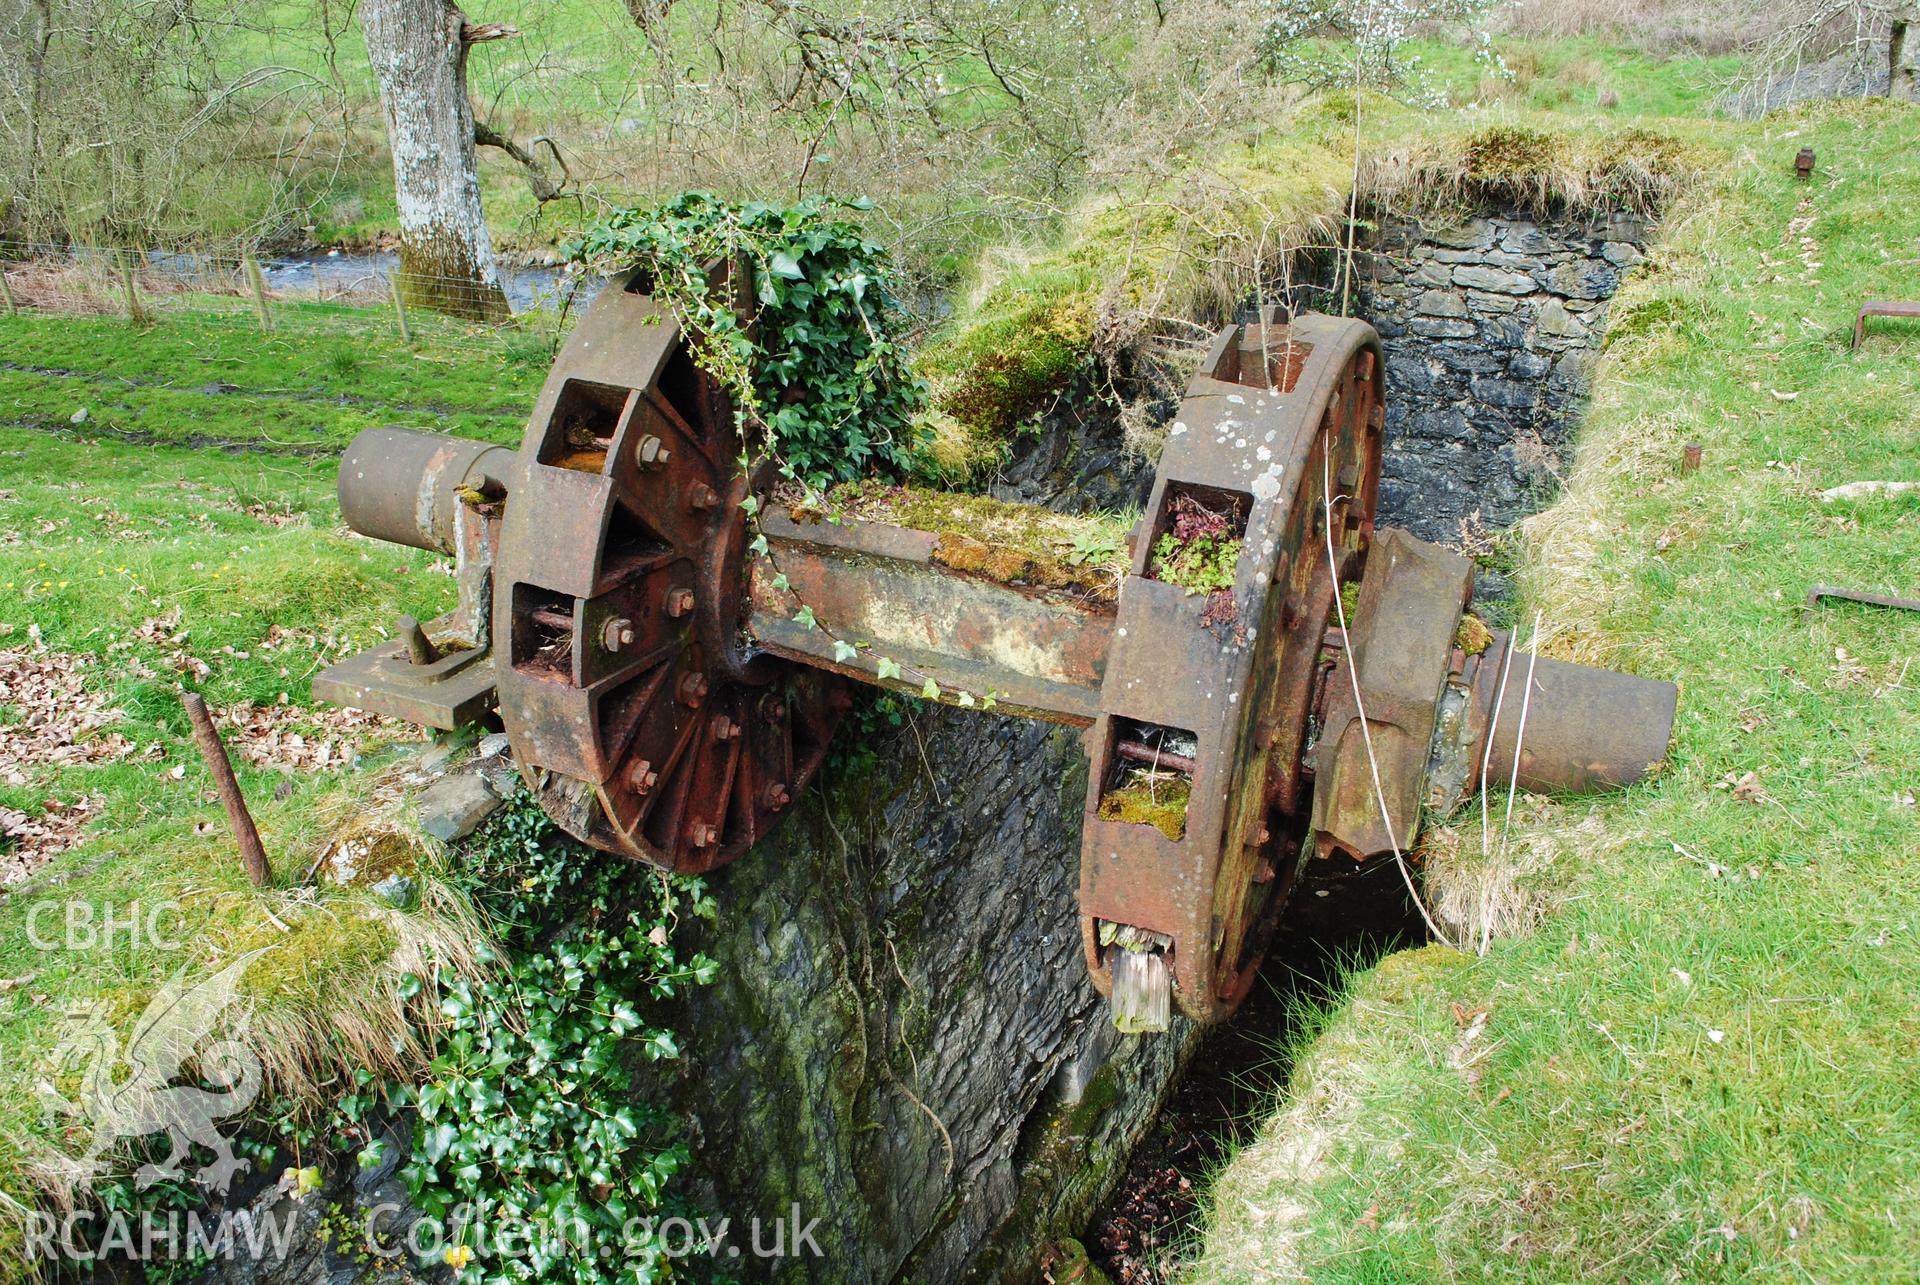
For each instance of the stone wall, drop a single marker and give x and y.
(902, 1038)
(1489, 326)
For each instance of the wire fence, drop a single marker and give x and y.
(348, 290)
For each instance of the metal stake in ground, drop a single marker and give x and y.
(252, 855)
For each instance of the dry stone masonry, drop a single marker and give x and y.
(1489, 326)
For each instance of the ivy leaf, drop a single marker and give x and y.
(966, 699)
(931, 690)
(889, 668)
(987, 701)
(787, 266)
(759, 545)
(750, 505)
(780, 582)
(843, 650)
(804, 617)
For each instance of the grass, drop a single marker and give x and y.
(141, 564)
(1697, 1064)
(1166, 258)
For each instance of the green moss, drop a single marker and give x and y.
(1473, 636)
(1160, 803)
(1084, 554)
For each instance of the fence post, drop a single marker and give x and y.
(6, 293)
(400, 308)
(258, 281)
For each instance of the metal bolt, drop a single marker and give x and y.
(642, 777)
(777, 796)
(701, 496)
(725, 729)
(616, 633)
(702, 834)
(693, 689)
(650, 450)
(773, 709)
(679, 602)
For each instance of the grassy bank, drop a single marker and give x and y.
(182, 533)
(1698, 1062)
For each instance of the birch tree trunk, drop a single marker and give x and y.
(418, 49)
(1903, 80)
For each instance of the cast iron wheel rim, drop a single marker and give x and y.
(1348, 417)
(663, 735)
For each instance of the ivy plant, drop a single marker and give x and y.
(819, 379)
(531, 1116)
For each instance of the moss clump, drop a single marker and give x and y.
(1082, 554)
(1160, 802)
(996, 375)
(1473, 636)
(1506, 152)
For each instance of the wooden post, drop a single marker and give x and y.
(252, 855)
(6, 294)
(258, 281)
(400, 307)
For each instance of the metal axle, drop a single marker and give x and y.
(667, 700)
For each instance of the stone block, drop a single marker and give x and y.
(1480, 303)
(1554, 319)
(1584, 279)
(454, 806)
(1474, 234)
(1442, 328)
(1433, 274)
(1622, 254)
(1507, 394)
(1529, 365)
(1407, 376)
(1441, 303)
(1468, 359)
(1494, 280)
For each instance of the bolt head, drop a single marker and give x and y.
(725, 729)
(679, 602)
(693, 689)
(617, 633)
(650, 450)
(702, 835)
(700, 496)
(777, 796)
(641, 776)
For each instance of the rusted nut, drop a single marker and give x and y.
(693, 689)
(724, 729)
(773, 709)
(679, 602)
(776, 796)
(616, 633)
(650, 450)
(641, 777)
(702, 835)
(701, 497)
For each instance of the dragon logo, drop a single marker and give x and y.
(130, 1092)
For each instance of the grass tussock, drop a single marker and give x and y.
(1169, 257)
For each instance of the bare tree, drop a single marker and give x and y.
(418, 49)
